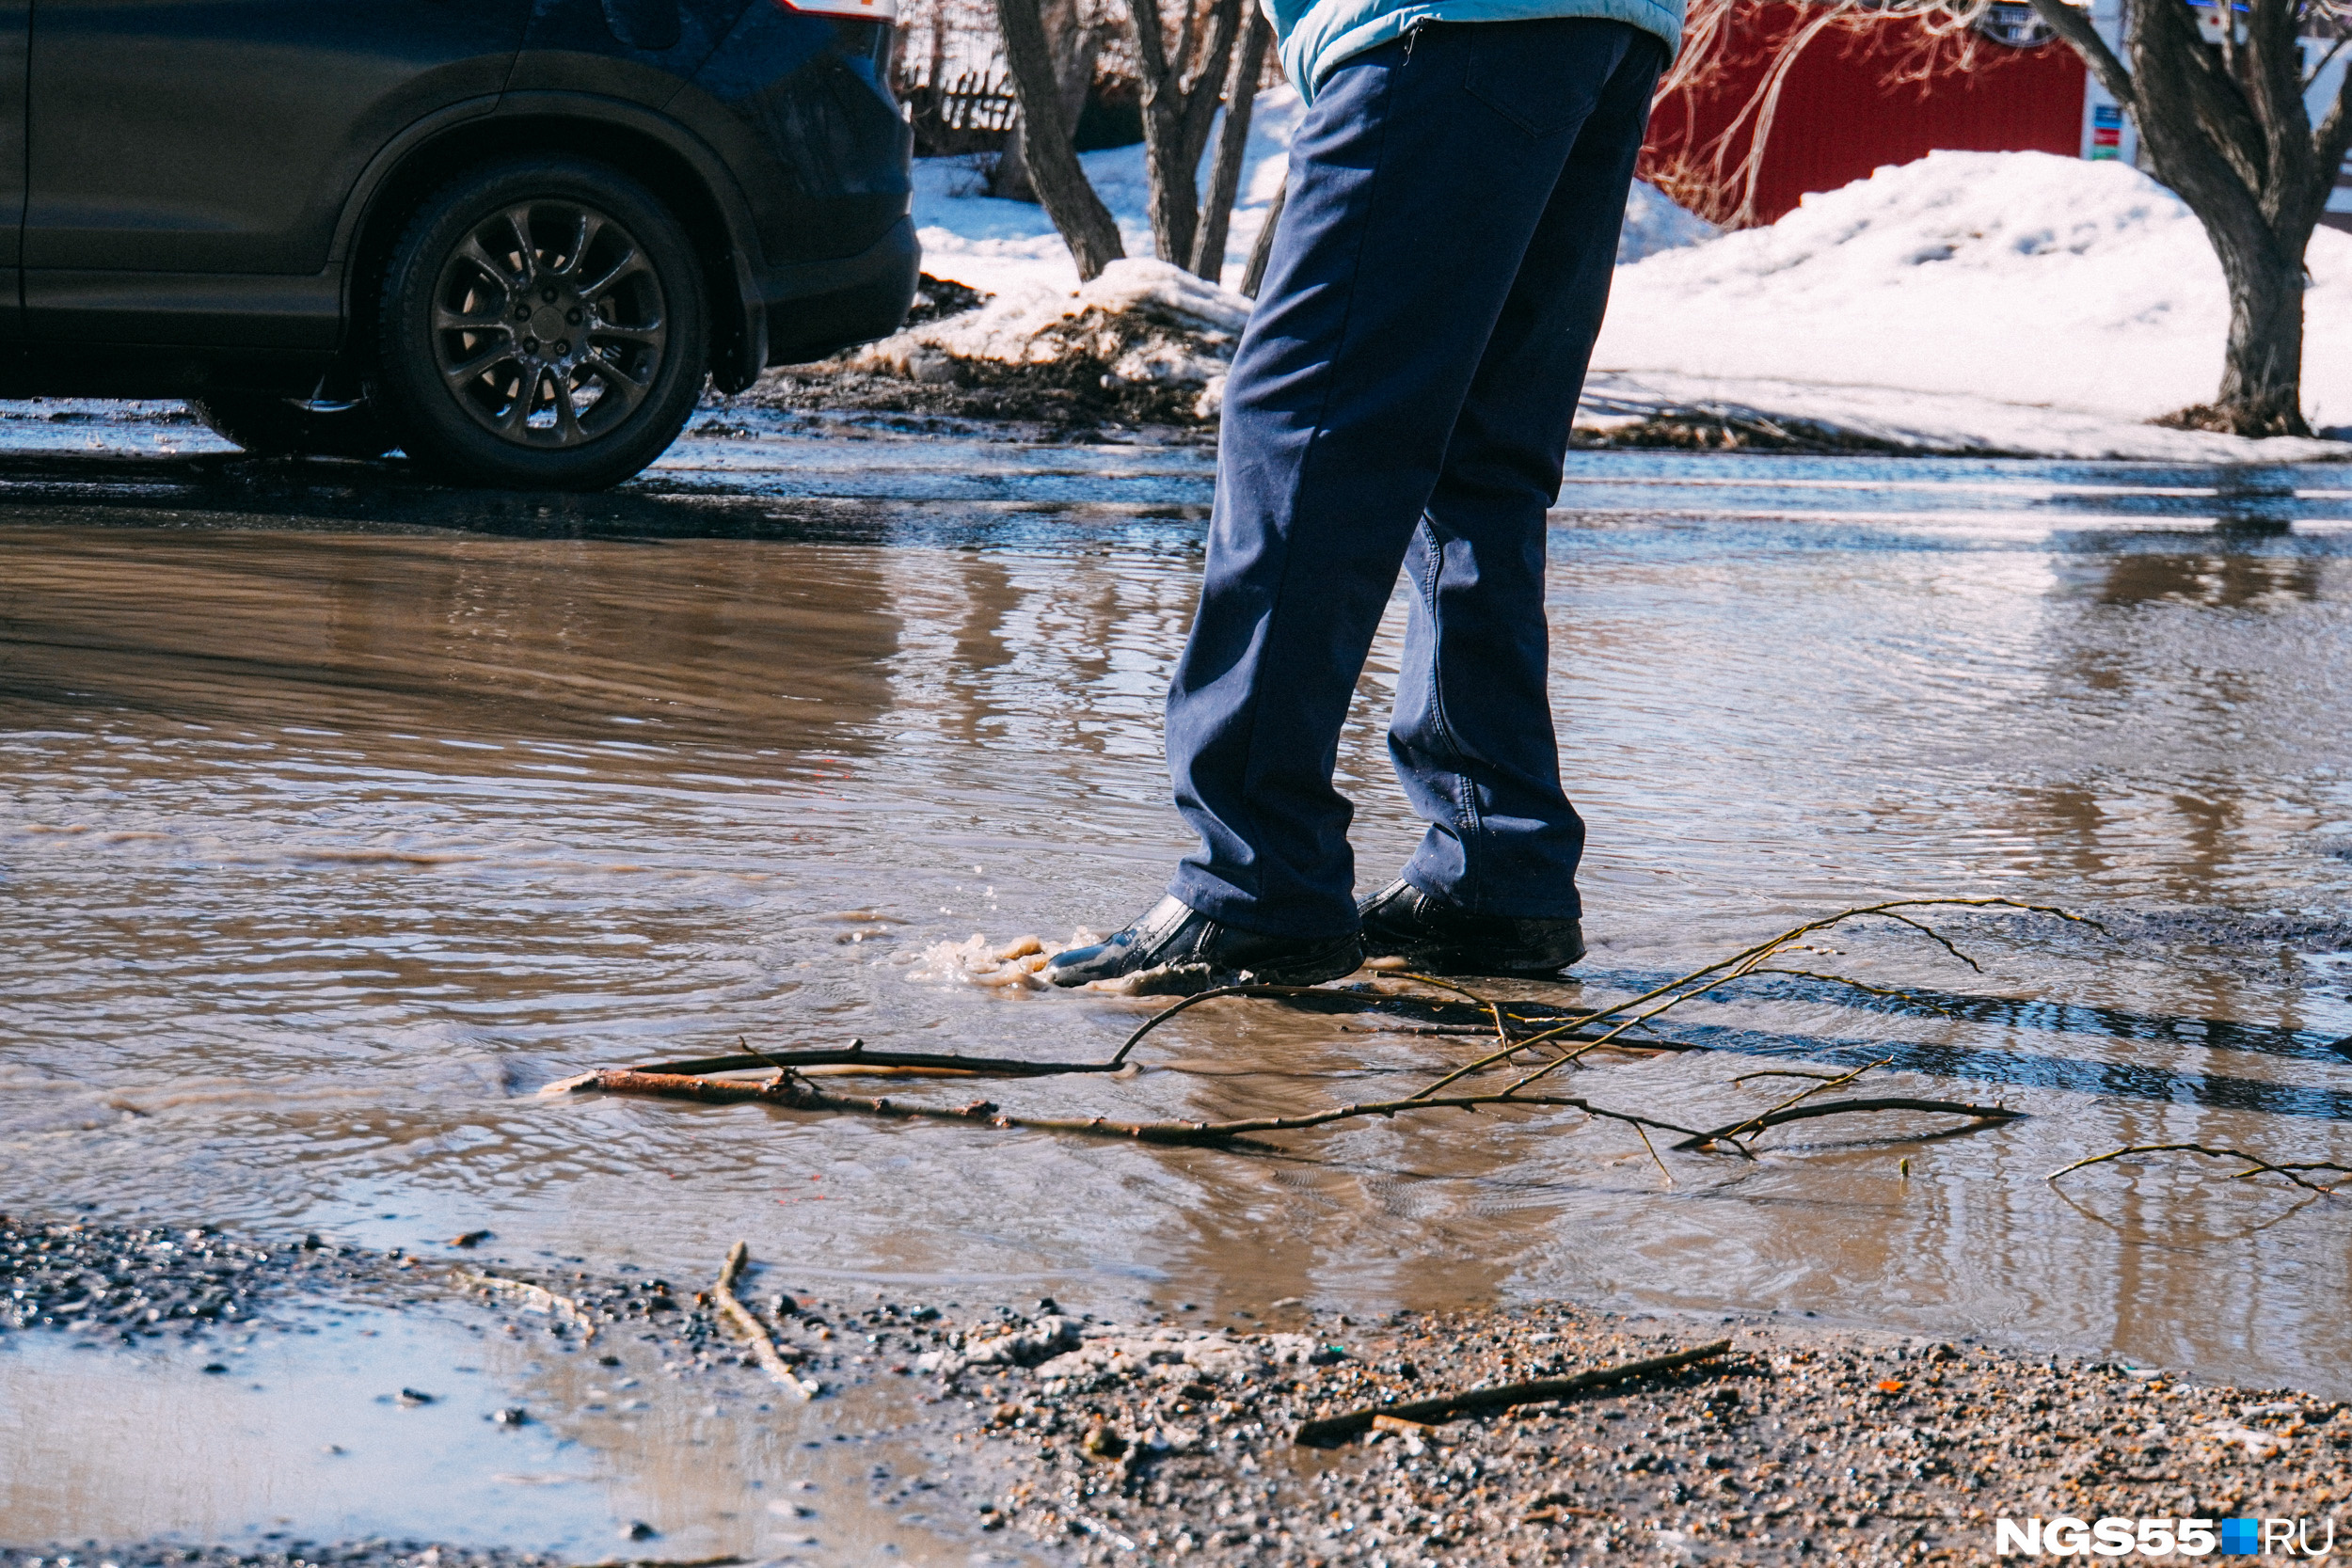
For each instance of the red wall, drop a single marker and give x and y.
(1840, 116)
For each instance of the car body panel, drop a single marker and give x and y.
(642, 50)
(802, 106)
(226, 135)
(207, 179)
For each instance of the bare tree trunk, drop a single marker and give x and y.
(1180, 100)
(2261, 375)
(2228, 133)
(1232, 148)
(1074, 46)
(1262, 250)
(1079, 216)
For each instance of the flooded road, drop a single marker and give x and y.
(337, 815)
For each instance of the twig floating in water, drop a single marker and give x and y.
(1329, 1431)
(795, 1093)
(1759, 1121)
(763, 1348)
(2255, 1163)
(1844, 1107)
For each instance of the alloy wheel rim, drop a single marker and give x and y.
(548, 323)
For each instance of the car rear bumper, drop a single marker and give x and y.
(813, 309)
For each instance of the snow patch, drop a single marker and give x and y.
(1147, 323)
(1000, 246)
(1896, 419)
(2020, 278)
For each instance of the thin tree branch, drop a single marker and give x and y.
(1232, 149)
(2072, 23)
(2256, 1164)
(1760, 1120)
(794, 1093)
(1848, 1107)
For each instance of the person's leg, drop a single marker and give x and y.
(1418, 181)
(1472, 739)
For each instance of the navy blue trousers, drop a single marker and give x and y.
(1401, 400)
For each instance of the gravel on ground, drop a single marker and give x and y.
(1804, 1442)
(1169, 1441)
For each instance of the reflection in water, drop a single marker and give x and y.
(2232, 581)
(320, 850)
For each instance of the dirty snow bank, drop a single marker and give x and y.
(1141, 324)
(1652, 408)
(2018, 278)
(1997, 302)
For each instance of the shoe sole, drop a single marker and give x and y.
(1456, 963)
(1311, 969)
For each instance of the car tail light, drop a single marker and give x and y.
(872, 10)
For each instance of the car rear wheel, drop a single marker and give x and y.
(281, 427)
(542, 324)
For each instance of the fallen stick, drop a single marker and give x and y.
(1659, 1000)
(763, 1347)
(1327, 999)
(2256, 1164)
(1330, 1431)
(855, 1055)
(1842, 1107)
(1757, 1123)
(536, 1298)
(795, 1093)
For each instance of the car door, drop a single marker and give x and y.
(188, 159)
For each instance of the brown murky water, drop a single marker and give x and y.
(326, 837)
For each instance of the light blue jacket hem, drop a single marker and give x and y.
(1322, 35)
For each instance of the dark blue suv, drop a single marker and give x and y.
(511, 238)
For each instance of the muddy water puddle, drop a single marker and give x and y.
(341, 815)
(361, 1422)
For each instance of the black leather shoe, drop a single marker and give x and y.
(1175, 951)
(1438, 937)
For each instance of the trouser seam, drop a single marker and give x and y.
(1323, 405)
(1467, 823)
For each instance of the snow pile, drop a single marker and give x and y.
(2020, 278)
(2011, 302)
(1654, 223)
(1650, 408)
(1141, 324)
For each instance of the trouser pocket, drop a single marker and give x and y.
(1539, 74)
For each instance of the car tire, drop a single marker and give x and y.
(542, 325)
(281, 427)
